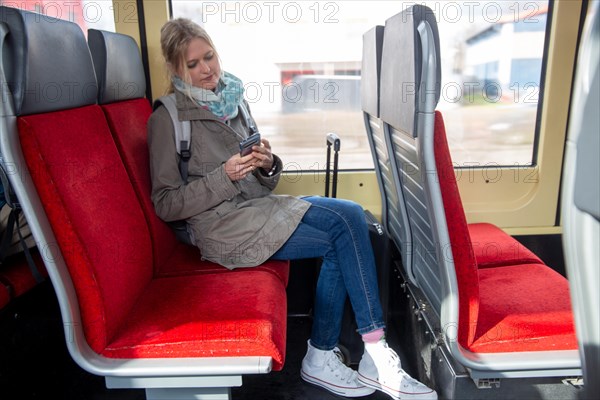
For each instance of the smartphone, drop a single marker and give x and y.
(246, 144)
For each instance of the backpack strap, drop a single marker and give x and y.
(183, 131)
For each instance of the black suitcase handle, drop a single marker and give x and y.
(332, 140)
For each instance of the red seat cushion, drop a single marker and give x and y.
(493, 247)
(209, 315)
(16, 272)
(523, 308)
(104, 238)
(187, 260)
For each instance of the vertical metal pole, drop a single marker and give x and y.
(335, 174)
(327, 169)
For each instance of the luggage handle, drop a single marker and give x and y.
(332, 140)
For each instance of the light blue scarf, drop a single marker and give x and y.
(223, 102)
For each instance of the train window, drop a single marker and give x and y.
(85, 13)
(492, 56)
(300, 63)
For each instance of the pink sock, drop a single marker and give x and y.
(373, 337)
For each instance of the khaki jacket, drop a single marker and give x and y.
(235, 224)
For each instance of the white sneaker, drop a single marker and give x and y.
(325, 369)
(380, 369)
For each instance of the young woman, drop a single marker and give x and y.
(236, 221)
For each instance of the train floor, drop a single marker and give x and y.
(35, 364)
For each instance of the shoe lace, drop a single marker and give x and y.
(393, 360)
(338, 368)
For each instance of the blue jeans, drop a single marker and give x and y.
(336, 230)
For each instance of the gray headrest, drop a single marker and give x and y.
(371, 70)
(118, 66)
(50, 64)
(401, 67)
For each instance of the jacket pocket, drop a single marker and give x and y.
(225, 208)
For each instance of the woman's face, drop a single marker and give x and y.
(203, 64)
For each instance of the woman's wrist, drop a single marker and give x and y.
(272, 170)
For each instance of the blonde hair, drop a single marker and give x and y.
(175, 37)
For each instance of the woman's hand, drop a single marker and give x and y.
(263, 157)
(238, 167)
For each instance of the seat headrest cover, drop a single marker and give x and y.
(401, 66)
(51, 67)
(118, 66)
(371, 70)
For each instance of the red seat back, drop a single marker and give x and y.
(462, 251)
(94, 212)
(122, 91)
(77, 171)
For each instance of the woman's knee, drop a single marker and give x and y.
(351, 208)
(342, 210)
